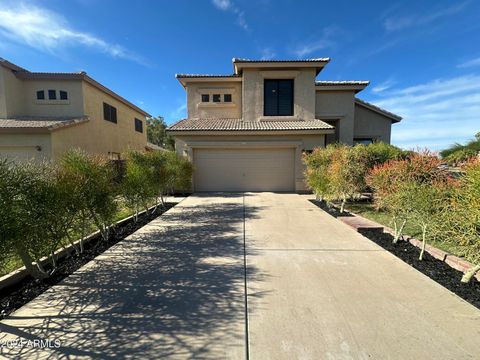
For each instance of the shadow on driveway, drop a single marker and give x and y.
(175, 288)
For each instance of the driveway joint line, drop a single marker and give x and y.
(324, 250)
(247, 346)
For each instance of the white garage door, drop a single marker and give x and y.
(244, 169)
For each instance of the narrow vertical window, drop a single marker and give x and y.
(139, 125)
(52, 95)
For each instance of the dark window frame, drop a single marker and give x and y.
(274, 102)
(138, 125)
(227, 96)
(205, 98)
(109, 113)
(52, 94)
(362, 140)
(216, 98)
(63, 95)
(40, 94)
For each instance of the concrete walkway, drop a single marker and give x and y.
(309, 287)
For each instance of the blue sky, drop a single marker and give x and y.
(422, 57)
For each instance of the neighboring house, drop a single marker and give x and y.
(247, 131)
(44, 114)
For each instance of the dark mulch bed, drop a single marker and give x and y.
(433, 268)
(17, 295)
(332, 210)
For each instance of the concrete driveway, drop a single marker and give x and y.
(254, 275)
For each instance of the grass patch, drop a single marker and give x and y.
(367, 210)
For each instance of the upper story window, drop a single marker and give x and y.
(278, 97)
(52, 95)
(216, 98)
(205, 97)
(40, 95)
(227, 98)
(139, 125)
(109, 113)
(63, 95)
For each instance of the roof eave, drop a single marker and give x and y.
(250, 132)
(395, 118)
(239, 65)
(184, 80)
(339, 87)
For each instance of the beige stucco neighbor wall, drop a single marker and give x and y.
(337, 105)
(11, 94)
(184, 146)
(98, 135)
(25, 146)
(197, 109)
(253, 92)
(58, 108)
(370, 124)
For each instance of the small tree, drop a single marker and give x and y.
(316, 173)
(156, 133)
(346, 174)
(425, 201)
(93, 177)
(138, 184)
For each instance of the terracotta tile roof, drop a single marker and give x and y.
(240, 60)
(394, 117)
(39, 123)
(179, 76)
(341, 82)
(240, 125)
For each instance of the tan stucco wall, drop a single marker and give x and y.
(25, 146)
(337, 105)
(98, 135)
(185, 144)
(197, 109)
(370, 124)
(11, 94)
(253, 92)
(71, 107)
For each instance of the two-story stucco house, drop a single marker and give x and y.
(247, 131)
(44, 114)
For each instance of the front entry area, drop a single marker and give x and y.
(264, 169)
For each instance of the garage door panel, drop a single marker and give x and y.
(244, 169)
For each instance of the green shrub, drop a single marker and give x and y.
(461, 156)
(32, 207)
(338, 172)
(138, 184)
(96, 189)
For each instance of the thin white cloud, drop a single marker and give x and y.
(435, 114)
(222, 4)
(387, 84)
(228, 5)
(267, 53)
(470, 63)
(395, 23)
(178, 113)
(327, 39)
(47, 31)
